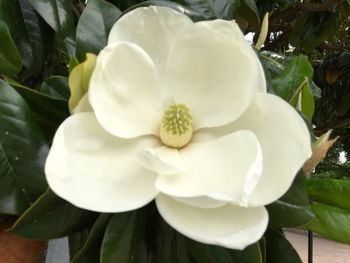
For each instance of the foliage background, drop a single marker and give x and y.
(306, 54)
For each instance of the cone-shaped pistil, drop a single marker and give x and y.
(176, 127)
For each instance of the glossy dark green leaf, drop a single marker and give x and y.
(93, 27)
(307, 100)
(292, 209)
(90, 252)
(211, 9)
(57, 13)
(194, 15)
(331, 222)
(52, 217)
(124, 240)
(72, 64)
(203, 253)
(313, 28)
(76, 242)
(330, 191)
(163, 242)
(287, 83)
(273, 64)
(110, 14)
(56, 87)
(201, 9)
(167, 245)
(26, 30)
(23, 151)
(303, 99)
(11, 14)
(249, 12)
(252, 253)
(49, 112)
(35, 32)
(262, 245)
(278, 248)
(10, 59)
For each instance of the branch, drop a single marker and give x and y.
(338, 125)
(300, 7)
(319, 7)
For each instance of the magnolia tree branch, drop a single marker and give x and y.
(319, 7)
(291, 13)
(341, 124)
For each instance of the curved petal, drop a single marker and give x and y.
(200, 201)
(93, 170)
(214, 71)
(163, 160)
(124, 91)
(226, 169)
(284, 139)
(83, 105)
(152, 28)
(229, 226)
(261, 82)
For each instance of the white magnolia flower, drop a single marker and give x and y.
(180, 115)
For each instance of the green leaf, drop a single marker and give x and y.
(72, 64)
(10, 59)
(167, 245)
(330, 191)
(273, 64)
(181, 8)
(307, 101)
(249, 12)
(204, 253)
(52, 217)
(164, 243)
(35, 32)
(23, 151)
(57, 13)
(303, 99)
(262, 245)
(292, 209)
(253, 253)
(211, 9)
(56, 87)
(93, 27)
(49, 112)
(124, 241)
(278, 248)
(331, 222)
(90, 252)
(313, 28)
(76, 242)
(200, 9)
(26, 31)
(286, 84)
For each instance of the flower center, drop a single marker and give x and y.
(176, 127)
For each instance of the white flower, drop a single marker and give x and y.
(201, 88)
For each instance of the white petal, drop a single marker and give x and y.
(261, 82)
(229, 226)
(152, 28)
(96, 171)
(214, 71)
(124, 91)
(163, 160)
(284, 139)
(226, 169)
(83, 105)
(200, 201)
